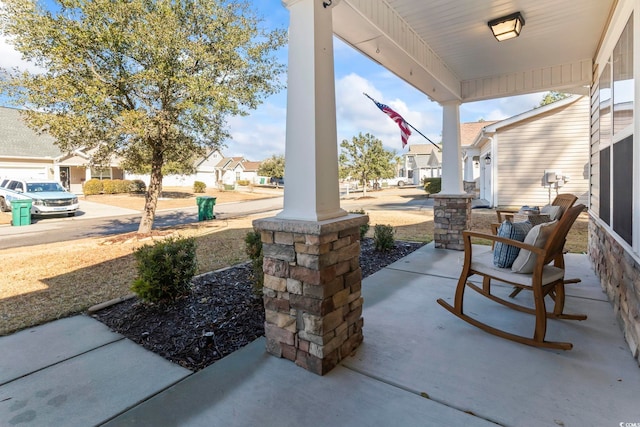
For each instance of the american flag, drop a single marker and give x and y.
(405, 132)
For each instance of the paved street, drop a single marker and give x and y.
(95, 219)
(101, 220)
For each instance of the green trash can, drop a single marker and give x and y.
(205, 207)
(21, 212)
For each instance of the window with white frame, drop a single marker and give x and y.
(100, 173)
(616, 113)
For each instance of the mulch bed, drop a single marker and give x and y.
(219, 316)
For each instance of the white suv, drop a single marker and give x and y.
(400, 181)
(47, 197)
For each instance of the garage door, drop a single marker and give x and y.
(37, 172)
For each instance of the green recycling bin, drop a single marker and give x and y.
(205, 207)
(21, 212)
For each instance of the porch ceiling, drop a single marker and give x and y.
(445, 48)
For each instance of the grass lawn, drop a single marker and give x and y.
(46, 282)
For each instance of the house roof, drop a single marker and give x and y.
(235, 162)
(420, 149)
(230, 163)
(251, 166)
(225, 163)
(469, 131)
(20, 141)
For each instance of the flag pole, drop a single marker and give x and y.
(408, 124)
(434, 144)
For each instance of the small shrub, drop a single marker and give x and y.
(383, 237)
(108, 186)
(115, 186)
(253, 248)
(137, 186)
(432, 185)
(91, 187)
(165, 269)
(123, 186)
(243, 182)
(199, 187)
(364, 228)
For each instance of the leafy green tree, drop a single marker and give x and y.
(551, 97)
(150, 82)
(272, 167)
(365, 158)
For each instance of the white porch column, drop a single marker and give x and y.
(311, 189)
(468, 168)
(451, 149)
(312, 275)
(452, 206)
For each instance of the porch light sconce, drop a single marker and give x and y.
(326, 4)
(487, 160)
(507, 27)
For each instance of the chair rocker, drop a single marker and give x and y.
(545, 280)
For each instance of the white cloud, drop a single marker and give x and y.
(499, 109)
(259, 135)
(10, 58)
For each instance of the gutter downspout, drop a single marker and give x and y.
(493, 191)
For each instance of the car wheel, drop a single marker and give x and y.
(3, 205)
(400, 183)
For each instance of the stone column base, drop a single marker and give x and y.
(451, 216)
(312, 289)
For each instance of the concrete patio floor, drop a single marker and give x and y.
(418, 366)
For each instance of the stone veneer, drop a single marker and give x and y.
(451, 216)
(619, 275)
(312, 289)
(470, 188)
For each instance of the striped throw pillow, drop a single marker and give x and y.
(503, 254)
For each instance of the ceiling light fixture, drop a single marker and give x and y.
(507, 27)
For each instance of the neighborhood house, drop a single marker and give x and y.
(25, 153)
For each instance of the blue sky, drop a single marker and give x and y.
(262, 133)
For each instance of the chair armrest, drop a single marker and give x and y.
(494, 228)
(508, 214)
(494, 231)
(467, 235)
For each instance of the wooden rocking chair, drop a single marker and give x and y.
(545, 280)
(565, 201)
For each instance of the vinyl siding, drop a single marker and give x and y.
(556, 140)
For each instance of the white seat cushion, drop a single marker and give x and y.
(483, 263)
